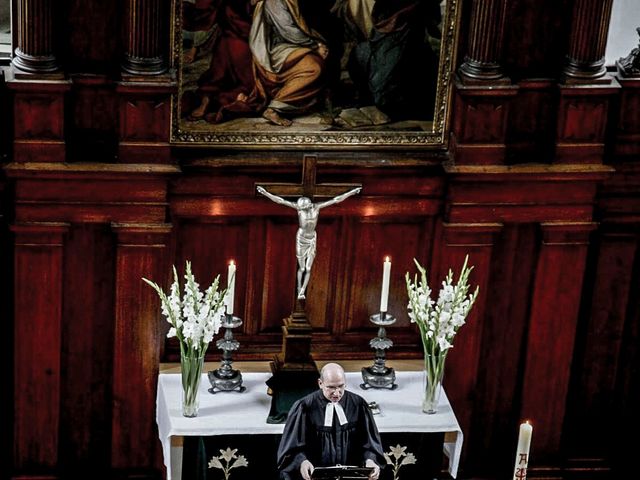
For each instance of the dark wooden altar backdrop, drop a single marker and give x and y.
(539, 186)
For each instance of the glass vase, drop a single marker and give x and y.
(433, 375)
(191, 371)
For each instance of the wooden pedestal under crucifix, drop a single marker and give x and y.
(294, 371)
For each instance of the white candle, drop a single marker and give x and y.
(384, 295)
(231, 286)
(522, 454)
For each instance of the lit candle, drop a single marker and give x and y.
(522, 454)
(231, 286)
(386, 274)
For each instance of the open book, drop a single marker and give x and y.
(345, 472)
(359, 117)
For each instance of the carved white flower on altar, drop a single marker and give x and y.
(397, 457)
(231, 461)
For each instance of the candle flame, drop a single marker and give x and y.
(387, 259)
(232, 262)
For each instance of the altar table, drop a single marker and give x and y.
(234, 413)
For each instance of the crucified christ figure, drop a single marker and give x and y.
(306, 236)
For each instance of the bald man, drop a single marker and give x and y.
(329, 427)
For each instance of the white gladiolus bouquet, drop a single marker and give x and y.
(438, 320)
(195, 317)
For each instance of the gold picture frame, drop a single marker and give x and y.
(199, 53)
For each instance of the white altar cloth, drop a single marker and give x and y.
(233, 413)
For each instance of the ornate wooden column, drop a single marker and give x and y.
(38, 86)
(587, 90)
(484, 49)
(38, 275)
(145, 90)
(588, 41)
(35, 50)
(136, 354)
(553, 319)
(482, 92)
(144, 53)
(477, 241)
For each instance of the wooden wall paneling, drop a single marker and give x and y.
(145, 113)
(523, 193)
(6, 115)
(496, 411)
(531, 127)
(279, 283)
(256, 264)
(627, 378)
(210, 247)
(592, 419)
(135, 446)
(93, 122)
(402, 239)
(583, 113)
(551, 333)
(480, 115)
(87, 350)
(39, 120)
(626, 141)
(321, 291)
(92, 43)
(93, 193)
(38, 273)
(477, 241)
(536, 38)
(7, 341)
(344, 274)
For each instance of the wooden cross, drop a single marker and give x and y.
(296, 345)
(309, 188)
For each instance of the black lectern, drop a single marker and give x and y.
(341, 472)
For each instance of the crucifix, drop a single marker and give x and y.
(296, 339)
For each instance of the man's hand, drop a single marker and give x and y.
(306, 469)
(376, 469)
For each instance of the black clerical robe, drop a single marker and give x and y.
(306, 437)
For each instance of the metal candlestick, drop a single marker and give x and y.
(378, 375)
(225, 378)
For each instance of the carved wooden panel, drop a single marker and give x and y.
(37, 375)
(552, 332)
(531, 126)
(402, 239)
(86, 388)
(144, 119)
(593, 418)
(498, 387)
(210, 247)
(137, 343)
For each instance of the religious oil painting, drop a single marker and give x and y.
(321, 73)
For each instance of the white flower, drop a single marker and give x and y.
(439, 320)
(194, 316)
